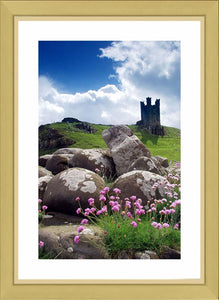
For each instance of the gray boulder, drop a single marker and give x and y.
(43, 159)
(139, 183)
(42, 184)
(125, 147)
(146, 164)
(43, 172)
(63, 188)
(163, 161)
(92, 159)
(57, 163)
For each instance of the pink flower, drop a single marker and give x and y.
(97, 170)
(39, 211)
(172, 211)
(105, 232)
(154, 224)
(159, 226)
(78, 211)
(133, 198)
(102, 198)
(40, 201)
(44, 207)
(129, 215)
(153, 209)
(162, 212)
(176, 227)
(93, 209)
(41, 244)
(177, 164)
(117, 191)
(87, 211)
(102, 192)
(134, 224)
(99, 212)
(128, 204)
(76, 239)
(140, 211)
(80, 228)
(104, 209)
(106, 189)
(77, 199)
(112, 198)
(84, 221)
(165, 225)
(116, 207)
(91, 201)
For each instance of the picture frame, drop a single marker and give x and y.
(207, 289)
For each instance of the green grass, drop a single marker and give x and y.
(122, 236)
(166, 146)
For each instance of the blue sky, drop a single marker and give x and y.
(104, 81)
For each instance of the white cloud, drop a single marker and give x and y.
(141, 68)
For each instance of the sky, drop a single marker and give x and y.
(103, 82)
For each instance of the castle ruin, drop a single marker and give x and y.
(150, 117)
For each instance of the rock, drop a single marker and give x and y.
(84, 126)
(59, 242)
(43, 159)
(44, 172)
(168, 253)
(70, 120)
(57, 163)
(139, 183)
(61, 219)
(142, 255)
(62, 190)
(125, 147)
(50, 138)
(92, 159)
(163, 161)
(42, 184)
(144, 163)
(152, 254)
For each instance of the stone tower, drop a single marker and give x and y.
(150, 117)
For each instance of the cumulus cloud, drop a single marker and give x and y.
(141, 68)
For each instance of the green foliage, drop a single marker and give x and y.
(121, 236)
(166, 146)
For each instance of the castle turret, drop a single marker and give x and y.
(150, 116)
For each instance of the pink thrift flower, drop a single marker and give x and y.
(76, 239)
(39, 211)
(165, 225)
(78, 211)
(128, 204)
(176, 227)
(44, 207)
(106, 189)
(40, 201)
(91, 201)
(117, 191)
(133, 198)
(80, 228)
(41, 244)
(134, 224)
(97, 170)
(112, 198)
(172, 211)
(84, 221)
(77, 199)
(154, 224)
(129, 214)
(105, 232)
(116, 207)
(93, 209)
(99, 212)
(159, 226)
(153, 209)
(102, 198)
(104, 209)
(102, 192)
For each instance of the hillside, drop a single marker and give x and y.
(86, 135)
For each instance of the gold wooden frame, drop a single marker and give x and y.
(206, 289)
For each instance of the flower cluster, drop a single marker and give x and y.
(165, 212)
(129, 208)
(41, 209)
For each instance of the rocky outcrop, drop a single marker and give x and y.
(146, 164)
(140, 184)
(125, 147)
(42, 184)
(57, 163)
(50, 138)
(65, 187)
(163, 161)
(44, 172)
(92, 159)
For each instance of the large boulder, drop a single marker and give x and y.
(43, 159)
(140, 184)
(59, 242)
(147, 164)
(92, 159)
(125, 147)
(42, 184)
(43, 172)
(67, 151)
(65, 187)
(57, 163)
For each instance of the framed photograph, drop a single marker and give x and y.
(114, 107)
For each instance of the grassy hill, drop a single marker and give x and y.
(167, 146)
